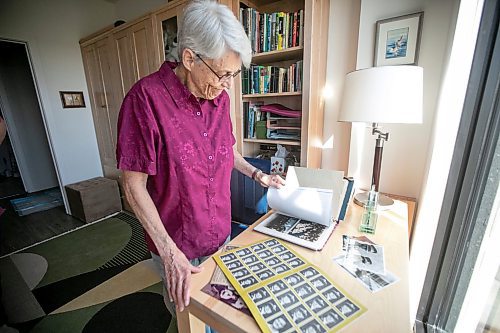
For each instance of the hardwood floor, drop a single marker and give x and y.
(18, 232)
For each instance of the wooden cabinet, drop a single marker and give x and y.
(166, 21)
(113, 61)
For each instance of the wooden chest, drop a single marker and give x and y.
(95, 198)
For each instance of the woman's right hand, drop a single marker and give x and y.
(178, 271)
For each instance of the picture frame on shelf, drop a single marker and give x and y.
(397, 40)
(72, 99)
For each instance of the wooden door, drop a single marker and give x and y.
(98, 70)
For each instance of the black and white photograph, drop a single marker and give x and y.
(309, 231)
(332, 295)
(280, 268)
(257, 247)
(347, 308)
(294, 279)
(299, 314)
(264, 254)
(233, 265)
(312, 327)
(256, 267)
(258, 295)
(309, 272)
(296, 262)
(278, 249)
(271, 242)
(286, 255)
(243, 252)
(320, 283)
(279, 324)
(316, 304)
(331, 318)
(304, 290)
(269, 308)
(241, 273)
(249, 259)
(277, 286)
(265, 274)
(287, 299)
(247, 282)
(371, 281)
(228, 257)
(282, 223)
(272, 261)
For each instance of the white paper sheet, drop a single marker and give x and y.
(306, 203)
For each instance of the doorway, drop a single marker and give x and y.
(25, 155)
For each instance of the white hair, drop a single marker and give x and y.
(211, 29)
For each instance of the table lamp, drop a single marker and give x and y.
(377, 95)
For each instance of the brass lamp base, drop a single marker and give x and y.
(384, 202)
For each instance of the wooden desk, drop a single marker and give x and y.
(387, 310)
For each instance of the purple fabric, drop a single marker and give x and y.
(185, 146)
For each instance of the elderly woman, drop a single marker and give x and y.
(175, 146)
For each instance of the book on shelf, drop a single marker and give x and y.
(258, 79)
(308, 207)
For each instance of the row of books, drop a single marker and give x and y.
(272, 79)
(272, 31)
(271, 122)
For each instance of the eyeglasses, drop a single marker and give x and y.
(222, 78)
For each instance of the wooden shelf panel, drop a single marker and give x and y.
(294, 93)
(274, 142)
(291, 53)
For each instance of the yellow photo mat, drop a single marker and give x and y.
(284, 292)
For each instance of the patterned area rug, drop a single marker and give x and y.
(99, 278)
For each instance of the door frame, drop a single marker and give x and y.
(43, 115)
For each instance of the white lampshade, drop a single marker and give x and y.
(388, 94)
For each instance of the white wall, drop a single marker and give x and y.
(52, 31)
(129, 10)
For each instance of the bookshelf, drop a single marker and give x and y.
(291, 72)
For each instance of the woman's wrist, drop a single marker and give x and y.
(255, 173)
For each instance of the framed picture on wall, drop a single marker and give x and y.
(397, 40)
(72, 99)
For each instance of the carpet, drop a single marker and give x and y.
(99, 278)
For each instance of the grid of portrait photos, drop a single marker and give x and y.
(284, 292)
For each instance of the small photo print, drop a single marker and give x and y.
(316, 304)
(296, 262)
(228, 257)
(347, 308)
(247, 282)
(308, 231)
(294, 279)
(249, 259)
(278, 249)
(279, 324)
(320, 283)
(286, 255)
(287, 299)
(280, 268)
(243, 252)
(259, 295)
(233, 265)
(309, 272)
(257, 247)
(265, 274)
(241, 273)
(264, 254)
(304, 290)
(277, 286)
(333, 295)
(272, 261)
(312, 327)
(268, 309)
(271, 242)
(257, 267)
(282, 223)
(299, 314)
(331, 318)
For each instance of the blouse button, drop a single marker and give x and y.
(198, 113)
(211, 179)
(205, 134)
(210, 157)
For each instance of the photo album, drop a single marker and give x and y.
(308, 207)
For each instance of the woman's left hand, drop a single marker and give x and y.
(266, 180)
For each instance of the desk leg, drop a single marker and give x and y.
(187, 323)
